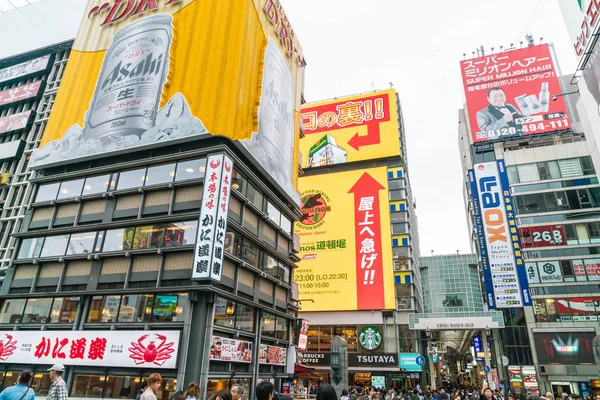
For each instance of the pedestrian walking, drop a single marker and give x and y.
(326, 392)
(143, 387)
(58, 389)
(237, 392)
(193, 392)
(344, 395)
(223, 395)
(22, 390)
(264, 391)
(154, 382)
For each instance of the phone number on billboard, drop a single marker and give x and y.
(319, 277)
(526, 128)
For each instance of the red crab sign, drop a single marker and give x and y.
(145, 349)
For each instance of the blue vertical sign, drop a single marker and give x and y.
(514, 234)
(487, 275)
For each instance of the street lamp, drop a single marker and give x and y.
(428, 332)
(336, 365)
(488, 330)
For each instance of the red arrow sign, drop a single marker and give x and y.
(372, 136)
(367, 225)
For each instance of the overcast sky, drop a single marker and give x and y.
(351, 45)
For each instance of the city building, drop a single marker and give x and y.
(532, 198)
(359, 277)
(157, 247)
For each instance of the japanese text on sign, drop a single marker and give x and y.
(24, 68)
(15, 122)
(144, 349)
(210, 241)
(23, 92)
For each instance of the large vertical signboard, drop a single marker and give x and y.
(506, 266)
(132, 81)
(345, 242)
(348, 129)
(510, 94)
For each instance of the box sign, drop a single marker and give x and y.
(409, 362)
(378, 381)
(313, 359)
(272, 355)
(210, 240)
(349, 129)
(542, 236)
(373, 360)
(571, 348)
(16, 122)
(505, 269)
(133, 349)
(240, 351)
(10, 150)
(132, 83)
(509, 94)
(21, 93)
(452, 323)
(30, 67)
(302, 334)
(345, 242)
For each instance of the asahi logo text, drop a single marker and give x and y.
(147, 66)
(119, 9)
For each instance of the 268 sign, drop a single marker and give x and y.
(542, 236)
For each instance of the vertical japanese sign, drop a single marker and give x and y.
(485, 263)
(210, 241)
(509, 94)
(345, 242)
(509, 280)
(348, 129)
(139, 349)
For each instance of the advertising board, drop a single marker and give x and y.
(132, 82)
(302, 334)
(540, 236)
(139, 349)
(272, 355)
(16, 122)
(232, 350)
(345, 242)
(409, 362)
(571, 348)
(506, 266)
(509, 94)
(348, 129)
(26, 68)
(21, 93)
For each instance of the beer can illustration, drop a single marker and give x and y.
(131, 80)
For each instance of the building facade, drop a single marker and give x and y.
(100, 253)
(335, 179)
(552, 187)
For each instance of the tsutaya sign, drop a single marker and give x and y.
(455, 323)
(135, 349)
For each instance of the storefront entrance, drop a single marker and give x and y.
(558, 388)
(362, 378)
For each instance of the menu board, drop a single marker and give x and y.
(225, 349)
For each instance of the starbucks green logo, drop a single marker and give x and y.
(369, 338)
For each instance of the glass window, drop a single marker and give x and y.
(64, 309)
(12, 309)
(595, 193)
(397, 194)
(554, 169)
(528, 172)
(30, 248)
(160, 174)
(286, 224)
(136, 308)
(587, 166)
(104, 309)
(148, 236)
(181, 233)
(593, 230)
(81, 243)
(37, 311)
(55, 246)
(244, 318)
(584, 198)
(268, 325)
(96, 184)
(513, 174)
(131, 179)
(313, 339)
(550, 200)
(255, 197)
(250, 253)
(570, 232)
(41, 383)
(534, 203)
(192, 169)
(573, 198)
(87, 386)
(224, 312)
(570, 167)
(396, 184)
(47, 192)
(561, 201)
(398, 228)
(273, 213)
(233, 244)
(325, 336)
(169, 307)
(270, 265)
(118, 239)
(121, 387)
(281, 328)
(552, 311)
(238, 182)
(543, 170)
(70, 188)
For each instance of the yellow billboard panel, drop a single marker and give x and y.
(345, 242)
(349, 129)
(145, 72)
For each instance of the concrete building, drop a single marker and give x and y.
(553, 182)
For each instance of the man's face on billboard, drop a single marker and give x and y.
(497, 98)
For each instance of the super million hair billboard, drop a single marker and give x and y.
(144, 73)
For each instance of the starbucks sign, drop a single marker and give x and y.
(369, 338)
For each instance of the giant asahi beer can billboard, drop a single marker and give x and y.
(149, 73)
